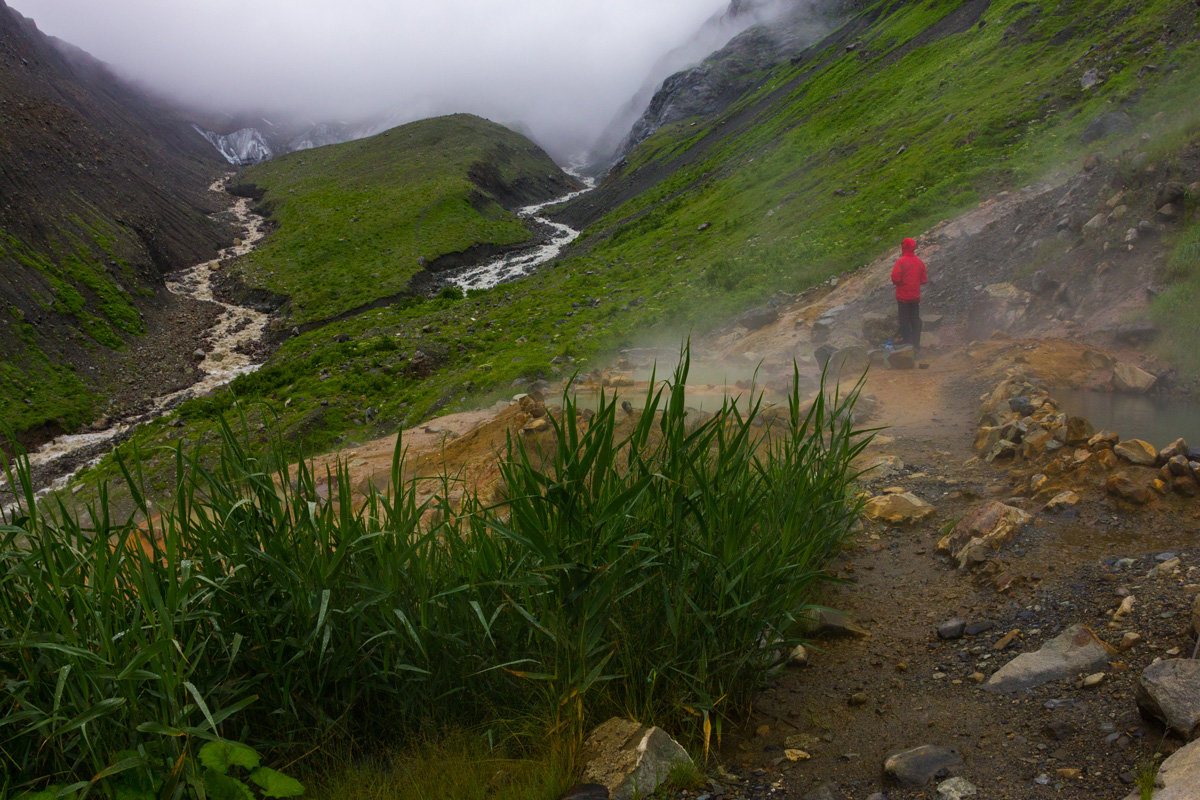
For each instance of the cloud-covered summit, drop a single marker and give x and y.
(559, 69)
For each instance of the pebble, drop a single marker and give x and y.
(976, 628)
(952, 629)
(956, 789)
(1095, 679)
(1007, 639)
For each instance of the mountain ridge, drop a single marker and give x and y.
(105, 190)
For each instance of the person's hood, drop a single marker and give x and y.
(909, 246)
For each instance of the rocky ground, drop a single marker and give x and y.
(1057, 526)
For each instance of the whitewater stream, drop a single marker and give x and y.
(224, 359)
(520, 263)
(226, 353)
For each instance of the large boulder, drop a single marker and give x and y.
(1170, 691)
(983, 530)
(1106, 125)
(1179, 776)
(1074, 651)
(920, 765)
(1176, 448)
(1129, 378)
(1170, 192)
(901, 508)
(849, 362)
(757, 318)
(1137, 451)
(1121, 485)
(629, 759)
(1078, 431)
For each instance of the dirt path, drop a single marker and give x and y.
(860, 699)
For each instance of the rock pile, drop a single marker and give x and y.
(1020, 423)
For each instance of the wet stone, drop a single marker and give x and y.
(951, 629)
(976, 628)
(1170, 691)
(920, 765)
(1076, 650)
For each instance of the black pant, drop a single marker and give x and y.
(910, 322)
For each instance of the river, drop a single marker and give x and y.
(59, 459)
(520, 263)
(226, 350)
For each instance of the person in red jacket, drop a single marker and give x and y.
(908, 276)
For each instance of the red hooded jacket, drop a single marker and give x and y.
(909, 273)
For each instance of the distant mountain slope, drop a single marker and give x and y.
(358, 221)
(905, 114)
(721, 61)
(102, 190)
(909, 113)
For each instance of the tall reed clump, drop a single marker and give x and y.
(651, 563)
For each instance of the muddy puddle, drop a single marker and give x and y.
(1157, 420)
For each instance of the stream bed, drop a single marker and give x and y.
(228, 346)
(226, 355)
(520, 263)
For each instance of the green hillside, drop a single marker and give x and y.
(354, 220)
(102, 190)
(907, 115)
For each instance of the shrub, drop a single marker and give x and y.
(648, 562)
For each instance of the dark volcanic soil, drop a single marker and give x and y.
(916, 689)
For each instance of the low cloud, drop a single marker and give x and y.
(559, 69)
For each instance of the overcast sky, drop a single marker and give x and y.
(561, 67)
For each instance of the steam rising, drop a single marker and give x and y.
(557, 69)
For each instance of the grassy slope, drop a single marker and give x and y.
(354, 219)
(72, 282)
(822, 169)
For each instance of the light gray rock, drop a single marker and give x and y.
(630, 759)
(1129, 378)
(920, 765)
(1137, 451)
(956, 789)
(1076, 650)
(1178, 777)
(952, 628)
(1170, 691)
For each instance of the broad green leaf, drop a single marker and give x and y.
(220, 756)
(276, 784)
(223, 787)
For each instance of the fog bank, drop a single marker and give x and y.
(557, 69)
